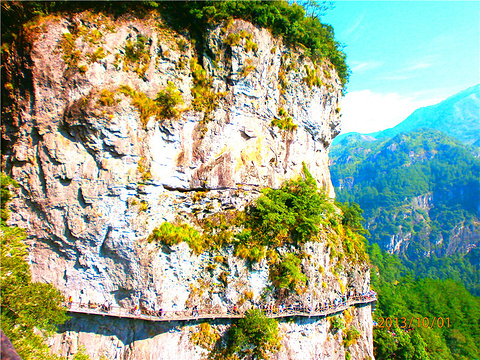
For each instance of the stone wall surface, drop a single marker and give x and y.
(96, 179)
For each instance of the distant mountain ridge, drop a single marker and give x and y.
(457, 116)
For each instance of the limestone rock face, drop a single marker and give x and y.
(98, 172)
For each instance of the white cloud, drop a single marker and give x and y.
(355, 25)
(365, 66)
(365, 111)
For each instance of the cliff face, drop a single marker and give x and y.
(100, 166)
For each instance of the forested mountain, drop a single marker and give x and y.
(419, 191)
(421, 318)
(456, 116)
(421, 195)
(420, 188)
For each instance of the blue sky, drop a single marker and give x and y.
(404, 55)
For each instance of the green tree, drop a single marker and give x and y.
(254, 337)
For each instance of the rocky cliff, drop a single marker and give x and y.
(118, 125)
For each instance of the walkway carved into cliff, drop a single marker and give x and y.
(189, 315)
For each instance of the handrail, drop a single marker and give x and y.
(192, 314)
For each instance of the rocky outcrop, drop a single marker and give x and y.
(100, 166)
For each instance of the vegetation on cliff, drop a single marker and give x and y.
(253, 337)
(28, 309)
(275, 228)
(283, 19)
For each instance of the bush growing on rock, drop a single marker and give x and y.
(254, 337)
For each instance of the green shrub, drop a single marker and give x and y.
(171, 234)
(253, 337)
(168, 101)
(233, 39)
(287, 274)
(29, 310)
(206, 337)
(285, 122)
(351, 336)
(137, 55)
(336, 323)
(289, 215)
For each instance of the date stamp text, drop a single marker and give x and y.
(412, 322)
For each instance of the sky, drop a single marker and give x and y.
(404, 55)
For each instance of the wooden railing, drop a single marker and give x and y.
(192, 314)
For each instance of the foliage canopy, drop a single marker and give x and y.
(283, 19)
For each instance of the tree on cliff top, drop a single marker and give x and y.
(282, 18)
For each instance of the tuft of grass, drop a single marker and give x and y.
(98, 54)
(137, 55)
(312, 78)
(71, 55)
(107, 98)
(205, 99)
(145, 106)
(247, 68)
(165, 105)
(170, 234)
(284, 122)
